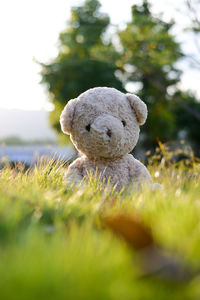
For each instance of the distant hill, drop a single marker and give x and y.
(27, 125)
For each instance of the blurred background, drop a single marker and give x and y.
(51, 51)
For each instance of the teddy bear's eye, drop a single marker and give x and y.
(87, 127)
(124, 123)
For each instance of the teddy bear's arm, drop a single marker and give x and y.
(138, 172)
(143, 173)
(74, 173)
(140, 175)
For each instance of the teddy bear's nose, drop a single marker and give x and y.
(109, 132)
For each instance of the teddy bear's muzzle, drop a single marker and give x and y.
(107, 134)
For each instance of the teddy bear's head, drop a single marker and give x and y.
(103, 122)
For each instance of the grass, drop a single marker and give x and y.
(52, 245)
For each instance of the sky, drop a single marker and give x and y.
(29, 32)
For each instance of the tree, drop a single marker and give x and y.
(187, 112)
(149, 54)
(84, 61)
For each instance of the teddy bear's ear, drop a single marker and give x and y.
(139, 108)
(66, 116)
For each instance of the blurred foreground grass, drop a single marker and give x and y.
(52, 245)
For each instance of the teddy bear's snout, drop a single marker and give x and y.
(108, 127)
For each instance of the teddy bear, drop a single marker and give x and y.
(104, 125)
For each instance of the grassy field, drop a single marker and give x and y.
(52, 244)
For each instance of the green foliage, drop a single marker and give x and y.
(85, 28)
(187, 112)
(52, 245)
(148, 58)
(146, 54)
(83, 61)
(150, 51)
